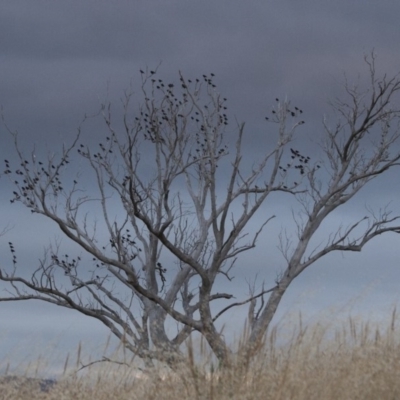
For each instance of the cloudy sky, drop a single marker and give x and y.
(61, 59)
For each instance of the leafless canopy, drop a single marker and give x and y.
(180, 222)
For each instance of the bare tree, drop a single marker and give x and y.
(185, 197)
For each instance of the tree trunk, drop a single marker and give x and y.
(260, 326)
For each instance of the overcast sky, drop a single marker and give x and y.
(61, 59)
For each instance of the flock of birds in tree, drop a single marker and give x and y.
(293, 113)
(122, 244)
(298, 160)
(12, 251)
(155, 124)
(27, 186)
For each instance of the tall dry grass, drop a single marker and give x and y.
(353, 361)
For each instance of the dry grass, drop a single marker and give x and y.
(355, 362)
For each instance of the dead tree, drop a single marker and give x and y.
(163, 170)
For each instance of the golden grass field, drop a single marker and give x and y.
(356, 361)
